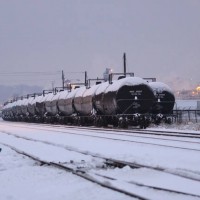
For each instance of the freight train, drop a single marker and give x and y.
(128, 101)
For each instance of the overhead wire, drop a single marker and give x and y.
(28, 73)
(16, 77)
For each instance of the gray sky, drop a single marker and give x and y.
(160, 37)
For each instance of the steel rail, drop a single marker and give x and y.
(109, 161)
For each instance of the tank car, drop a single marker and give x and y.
(61, 102)
(67, 111)
(7, 111)
(128, 98)
(164, 101)
(88, 106)
(14, 110)
(54, 104)
(21, 109)
(50, 105)
(77, 101)
(40, 107)
(31, 109)
(86, 109)
(10, 111)
(47, 103)
(18, 109)
(98, 98)
(24, 107)
(65, 103)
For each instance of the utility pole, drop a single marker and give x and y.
(86, 78)
(52, 84)
(124, 58)
(63, 80)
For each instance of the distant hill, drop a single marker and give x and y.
(7, 92)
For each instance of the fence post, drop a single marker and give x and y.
(196, 115)
(189, 115)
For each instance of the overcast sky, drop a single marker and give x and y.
(160, 37)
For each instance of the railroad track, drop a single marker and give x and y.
(146, 132)
(128, 132)
(100, 136)
(167, 133)
(138, 190)
(110, 161)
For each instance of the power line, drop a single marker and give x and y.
(28, 73)
(37, 73)
(49, 79)
(35, 76)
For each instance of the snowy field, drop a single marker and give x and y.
(23, 178)
(189, 111)
(186, 104)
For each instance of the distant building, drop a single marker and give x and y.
(188, 94)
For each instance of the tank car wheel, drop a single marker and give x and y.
(168, 121)
(142, 125)
(123, 123)
(60, 120)
(80, 121)
(115, 123)
(105, 122)
(144, 122)
(95, 121)
(100, 122)
(41, 120)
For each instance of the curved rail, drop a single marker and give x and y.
(104, 179)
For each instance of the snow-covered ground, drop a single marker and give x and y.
(186, 104)
(22, 178)
(186, 126)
